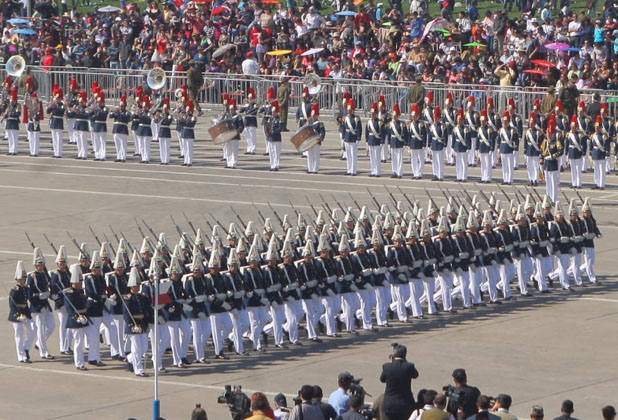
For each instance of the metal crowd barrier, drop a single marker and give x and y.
(115, 82)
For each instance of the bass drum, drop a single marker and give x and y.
(305, 138)
(222, 131)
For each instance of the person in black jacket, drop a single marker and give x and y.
(463, 397)
(397, 375)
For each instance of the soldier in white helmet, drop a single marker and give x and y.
(20, 316)
(78, 323)
(117, 286)
(539, 244)
(61, 280)
(490, 243)
(415, 269)
(310, 294)
(290, 291)
(575, 253)
(327, 277)
(156, 272)
(347, 276)
(39, 292)
(590, 232)
(365, 280)
(195, 307)
(379, 265)
(138, 315)
(177, 323)
(562, 243)
(273, 283)
(217, 292)
(521, 255)
(505, 257)
(238, 313)
(475, 268)
(257, 304)
(445, 252)
(398, 266)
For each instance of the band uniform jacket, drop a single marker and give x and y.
(351, 129)
(533, 138)
(462, 139)
(121, 121)
(18, 303)
(137, 312)
(575, 145)
(274, 129)
(554, 148)
(303, 113)
(56, 111)
(12, 117)
(75, 302)
(486, 139)
(38, 291)
(374, 132)
(188, 123)
(418, 135)
(437, 136)
(508, 138)
(398, 134)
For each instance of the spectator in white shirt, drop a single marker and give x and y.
(249, 65)
(314, 20)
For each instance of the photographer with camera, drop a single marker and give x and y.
(483, 404)
(356, 405)
(328, 411)
(304, 408)
(462, 397)
(339, 399)
(397, 375)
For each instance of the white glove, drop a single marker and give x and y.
(354, 288)
(201, 315)
(264, 301)
(171, 309)
(226, 306)
(230, 293)
(54, 296)
(329, 292)
(44, 295)
(187, 308)
(249, 294)
(402, 277)
(211, 298)
(113, 297)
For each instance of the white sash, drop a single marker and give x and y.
(435, 134)
(413, 127)
(468, 118)
(575, 141)
(394, 129)
(484, 139)
(597, 143)
(373, 129)
(348, 122)
(507, 139)
(491, 122)
(459, 135)
(533, 142)
(581, 126)
(449, 118)
(428, 115)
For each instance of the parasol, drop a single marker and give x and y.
(544, 63)
(535, 71)
(270, 2)
(109, 9)
(25, 32)
(614, 99)
(438, 23)
(475, 44)
(18, 21)
(222, 50)
(557, 46)
(346, 13)
(279, 52)
(220, 9)
(312, 51)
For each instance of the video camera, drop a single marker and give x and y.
(453, 394)
(237, 401)
(368, 412)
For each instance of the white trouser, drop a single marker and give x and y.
(201, 329)
(575, 261)
(94, 351)
(365, 298)
(429, 287)
(332, 306)
(251, 136)
(145, 147)
(137, 144)
(292, 311)
(588, 266)
(416, 291)
(417, 162)
(34, 141)
(188, 151)
(64, 333)
(275, 326)
(221, 326)
(375, 153)
(230, 150)
(57, 141)
(542, 270)
(181, 144)
(70, 123)
(463, 286)
(523, 273)
(492, 274)
(562, 160)
(397, 160)
(599, 172)
(472, 151)
(508, 161)
(445, 280)
(174, 329)
(274, 154)
(507, 271)
(164, 149)
(516, 159)
(461, 166)
(267, 144)
(82, 143)
(123, 344)
(384, 152)
(311, 309)
(449, 149)
(79, 337)
(494, 157)
(400, 294)
(155, 127)
(552, 184)
(13, 137)
(240, 324)
(313, 158)
(258, 317)
(486, 166)
(437, 163)
(349, 305)
(533, 168)
(382, 301)
(562, 264)
(100, 139)
(351, 155)
(45, 324)
(120, 141)
(139, 345)
(23, 343)
(576, 172)
(476, 278)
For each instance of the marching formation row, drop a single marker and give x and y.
(341, 271)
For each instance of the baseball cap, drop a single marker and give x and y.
(280, 400)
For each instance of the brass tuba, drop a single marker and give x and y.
(156, 78)
(15, 66)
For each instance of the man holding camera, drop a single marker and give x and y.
(306, 410)
(462, 397)
(397, 375)
(339, 399)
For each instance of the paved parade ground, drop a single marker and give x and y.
(540, 350)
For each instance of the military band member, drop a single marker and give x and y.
(486, 144)
(609, 129)
(5, 94)
(78, 323)
(20, 316)
(462, 140)
(313, 154)
(179, 108)
(72, 101)
(576, 152)
(33, 115)
(80, 126)
(508, 138)
(385, 117)
(437, 139)
(231, 146)
(266, 110)
(450, 121)
(99, 127)
(39, 292)
(304, 109)
(56, 110)
(188, 120)
(472, 122)
(600, 147)
(562, 127)
(418, 141)
(516, 124)
(351, 129)
(250, 112)
(521, 255)
(533, 138)
(144, 129)
(340, 115)
(495, 123)
(273, 129)
(398, 137)
(585, 128)
(165, 121)
(120, 129)
(137, 104)
(590, 232)
(138, 315)
(11, 116)
(552, 149)
(374, 135)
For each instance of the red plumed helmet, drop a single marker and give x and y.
(305, 92)
(8, 80)
(374, 107)
(315, 109)
(351, 105)
(598, 120)
(605, 107)
(271, 93)
(14, 93)
(490, 101)
(415, 109)
(25, 112)
(83, 97)
(29, 82)
(532, 117)
(506, 115)
(123, 99)
(276, 106)
(101, 96)
(146, 101)
(449, 98)
(73, 84)
(437, 114)
(512, 103)
(537, 104)
(484, 114)
(574, 120)
(382, 100)
(225, 98)
(471, 100)
(552, 117)
(166, 103)
(559, 105)
(41, 114)
(347, 96)
(190, 105)
(55, 89)
(582, 106)
(232, 103)
(95, 84)
(251, 93)
(59, 93)
(551, 126)
(429, 97)
(460, 114)
(396, 109)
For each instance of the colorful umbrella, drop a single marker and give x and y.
(220, 9)
(222, 50)
(25, 32)
(18, 21)
(475, 44)
(270, 2)
(573, 49)
(109, 9)
(387, 24)
(535, 71)
(279, 52)
(614, 99)
(438, 23)
(346, 13)
(557, 46)
(544, 63)
(312, 51)
(199, 1)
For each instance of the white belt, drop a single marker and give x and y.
(144, 125)
(448, 258)
(331, 279)
(81, 120)
(348, 277)
(291, 286)
(417, 263)
(312, 283)
(239, 294)
(402, 268)
(431, 261)
(57, 116)
(478, 252)
(523, 244)
(366, 272)
(564, 240)
(258, 291)
(543, 243)
(491, 250)
(12, 119)
(380, 270)
(463, 255)
(578, 238)
(589, 235)
(120, 123)
(508, 248)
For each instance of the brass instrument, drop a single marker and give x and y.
(15, 66)
(156, 78)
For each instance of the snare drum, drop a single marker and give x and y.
(305, 138)
(223, 131)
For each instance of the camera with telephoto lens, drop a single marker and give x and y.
(368, 412)
(237, 401)
(453, 394)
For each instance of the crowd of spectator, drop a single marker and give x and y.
(345, 39)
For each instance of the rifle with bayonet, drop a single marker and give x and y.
(96, 238)
(50, 243)
(190, 223)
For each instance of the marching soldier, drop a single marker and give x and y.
(187, 121)
(398, 268)
(250, 112)
(561, 239)
(562, 127)
(533, 138)
(380, 267)
(217, 292)
(304, 109)
(508, 138)
(11, 116)
(351, 129)
(552, 149)
(348, 280)
(56, 110)
(78, 323)
(445, 253)
(475, 269)
(33, 115)
(418, 141)
(238, 314)
(399, 137)
(450, 121)
(60, 282)
(73, 99)
(576, 152)
(176, 318)
(313, 154)
(179, 108)
(39, 291)
(99, 127)
(231, 146)
(590, 232)
(340, 115)
(464, 258)
(135, 120)
(600, 144)
(374, 134)
(165, 120)
(273, 129)
(416, 277)
(20, 316)
(462, 140)
(80, 126)
(327, 277)
(308, 280)
(521, 242)
(195, 307)
(486, 145)
(489, 244)
(577, 244)
(257, 304)
(362, 264)
(437, 139)
(539, 244)
(273, 281)
(290, 291)
(138, 315)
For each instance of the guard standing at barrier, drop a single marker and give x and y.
(165, 132)
(533, 138)
(398, 137)
(352, 130)
(374, 133)
(33, 114)
(231, 146)
(120, 129)
(188, 120)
